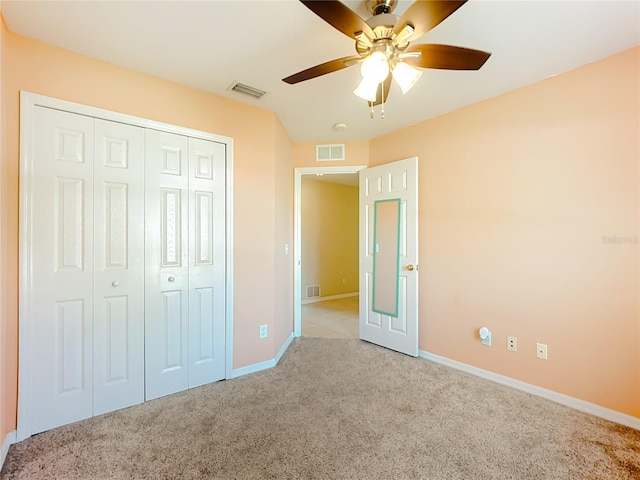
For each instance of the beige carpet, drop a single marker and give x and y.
(338, 409)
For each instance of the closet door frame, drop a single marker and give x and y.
(28, 103)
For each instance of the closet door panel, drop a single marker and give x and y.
(119, 266)
(207, 161)
(167, 264)
(61, 256)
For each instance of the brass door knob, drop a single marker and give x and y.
(409, 267)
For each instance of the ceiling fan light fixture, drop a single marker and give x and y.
(375, 68)
(367, 90)
(405, 76)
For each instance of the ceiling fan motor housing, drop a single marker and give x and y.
(377, 7)
(382, 26)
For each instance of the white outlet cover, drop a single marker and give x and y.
(541, 350)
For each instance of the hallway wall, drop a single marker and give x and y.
(329, 237)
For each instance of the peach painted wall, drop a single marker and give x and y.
(529, 225)
(3, 417)
(258, 139)
(356, 153)
(283, 279)
(329, 236)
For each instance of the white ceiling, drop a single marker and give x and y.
(209, 45)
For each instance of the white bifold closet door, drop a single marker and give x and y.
(185, 257)
(88, 273)
(127, 251)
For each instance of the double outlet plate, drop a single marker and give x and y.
(541, 348)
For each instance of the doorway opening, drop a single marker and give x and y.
(325, 284)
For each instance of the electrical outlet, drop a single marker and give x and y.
(541, 350)
(263, 330)
(512, 344)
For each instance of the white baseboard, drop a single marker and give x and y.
(9, 440)
(329, 297)
(257, 367)
(576, 403)
(284, 347)
(253, 368)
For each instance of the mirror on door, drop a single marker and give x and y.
(386, 256)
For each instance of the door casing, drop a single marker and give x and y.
(297, 233)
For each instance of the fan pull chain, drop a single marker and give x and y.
(382, 107)
(372, 113)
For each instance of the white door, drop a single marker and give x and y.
(185, 263)
(62, 260)
(167, 264)
(207, 164)
(393, 323)
(119, 266)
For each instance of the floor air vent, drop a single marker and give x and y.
(247, 90)
(313, 291)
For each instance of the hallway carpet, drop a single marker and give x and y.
(337, 409)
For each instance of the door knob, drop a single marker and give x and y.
(115, 283)
(409, 267)
(171, 279)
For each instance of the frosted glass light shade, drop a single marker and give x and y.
(405, 76)
(375, 67)
(367, 90)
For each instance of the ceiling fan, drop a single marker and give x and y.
(383, 44)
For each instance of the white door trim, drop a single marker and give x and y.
(28, 103)
(297, 233)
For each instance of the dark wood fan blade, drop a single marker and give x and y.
(447, 57)
(339, 16)
(383, 92)
(424, 15)
(322, 69)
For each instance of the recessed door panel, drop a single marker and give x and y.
(204, 228)
(69, 335)
(172, 321)
(171, 226)
(117, 328)
(371, 318)
(116, 223)
(203, 326)
(68, 223)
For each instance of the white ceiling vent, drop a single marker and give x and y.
(329, 153)
(247, 90)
